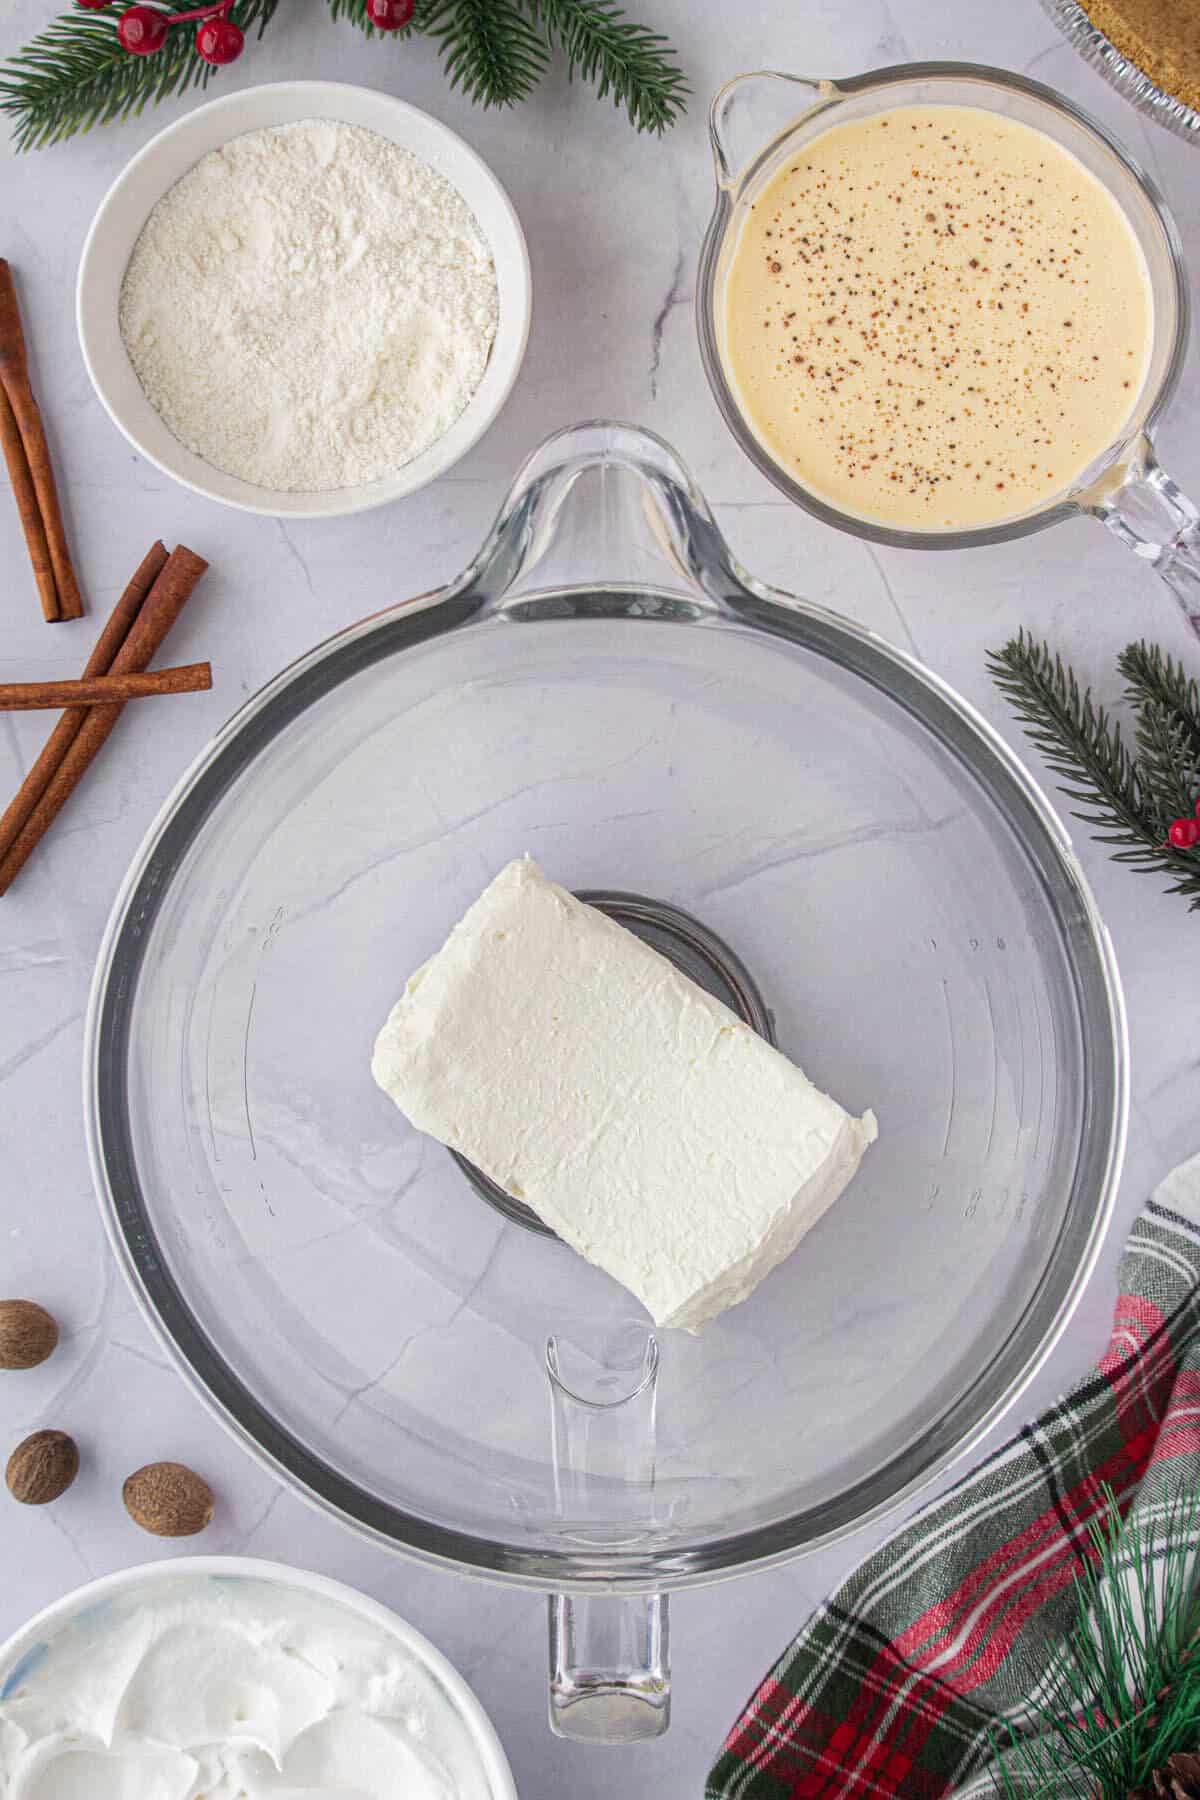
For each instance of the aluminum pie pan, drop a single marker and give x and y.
(1131, 82)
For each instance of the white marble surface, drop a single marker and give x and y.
(614, 224)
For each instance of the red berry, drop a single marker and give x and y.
(219, 40)
(142, 30)
(1184, 834)
(389, 15)
(1198, 809)
(93, 5)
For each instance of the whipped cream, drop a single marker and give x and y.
(229, 1688)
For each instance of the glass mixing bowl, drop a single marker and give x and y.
(760, 120)
(605, 688)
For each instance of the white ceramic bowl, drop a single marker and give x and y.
(129, 202)
(478, 1731)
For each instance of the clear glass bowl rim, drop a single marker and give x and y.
(522, 528)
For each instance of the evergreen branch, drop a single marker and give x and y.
(1168, 729)
(1073, 734)
(1111, 789)
(1123, 1694)
(75, 74)
(618, 56)
(489, 47)
(1168, 759)
(1150, 675)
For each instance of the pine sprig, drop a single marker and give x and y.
(75, 74)
(490, 49)
(626, 60)
(1168, 729)
(1075, 736)
(1123, 1695)
(1128, 798)
(1149, 675)
(1167, 759)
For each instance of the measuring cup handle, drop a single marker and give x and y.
(610, 1674)
(1157, 521)
(753, 109)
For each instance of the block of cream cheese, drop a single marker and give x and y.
(641, 1119)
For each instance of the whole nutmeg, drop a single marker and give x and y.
(168, 1499)
(42, 1467)
(27, 1334)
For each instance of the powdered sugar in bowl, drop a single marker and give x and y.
(361, 428)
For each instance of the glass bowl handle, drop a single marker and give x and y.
(610, 1679)
(1157, 521)
(751, 111)
(605, 511)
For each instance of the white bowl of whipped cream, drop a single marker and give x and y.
(304, 300)
(228, 1676)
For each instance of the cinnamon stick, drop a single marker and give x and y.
(162, 606)
(99, 690)
(14, 376)
(115, 631)
(27, 509)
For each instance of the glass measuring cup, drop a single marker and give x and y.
(759, 120)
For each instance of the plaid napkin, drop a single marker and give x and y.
(892, 1687)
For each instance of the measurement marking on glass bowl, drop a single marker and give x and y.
(208, 1107)
(246, 1072)
(1054, 1091)
(987, 989)
(953, 1066)
(1037, 1019)
(1020, 1061)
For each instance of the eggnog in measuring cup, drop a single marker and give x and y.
(935, 318)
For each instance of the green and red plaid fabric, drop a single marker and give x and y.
(893, 1689)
